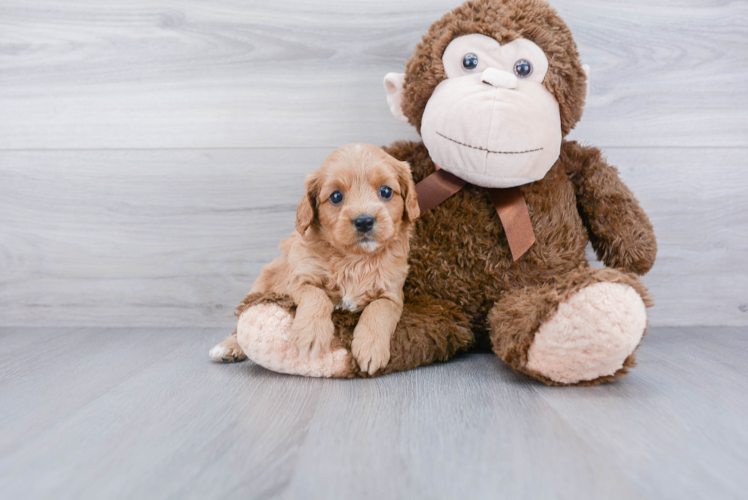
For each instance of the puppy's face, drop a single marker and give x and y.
(361, 197)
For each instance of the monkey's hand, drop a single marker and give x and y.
(619, 230)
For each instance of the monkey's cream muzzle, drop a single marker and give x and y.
(488, 123)
(488, 126)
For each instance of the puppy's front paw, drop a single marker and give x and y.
(371, 349)
(313, 336)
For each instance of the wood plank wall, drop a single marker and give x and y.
(152, 152)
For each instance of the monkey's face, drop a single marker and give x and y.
(492, 122)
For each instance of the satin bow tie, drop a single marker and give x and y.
(509, 202)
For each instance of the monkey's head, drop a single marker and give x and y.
(492, 88)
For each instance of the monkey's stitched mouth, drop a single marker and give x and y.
(488, 150)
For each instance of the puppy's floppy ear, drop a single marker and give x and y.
(307, 209)
(408, 189)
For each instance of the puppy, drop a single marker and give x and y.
(349, 251)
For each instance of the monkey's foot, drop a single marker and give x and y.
(262, 333)
(591, 335)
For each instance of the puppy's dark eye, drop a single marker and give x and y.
(470, 62)
(385, 192)
(523, 68)
(336, 198)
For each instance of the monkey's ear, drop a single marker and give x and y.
(307, 208)
(408, 189)
(393, 85)
(586, 68)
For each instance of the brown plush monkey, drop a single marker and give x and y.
(493, 88)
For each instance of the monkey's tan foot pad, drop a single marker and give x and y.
(590, 335)
(261, 333)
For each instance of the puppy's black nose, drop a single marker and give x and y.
(364, 223)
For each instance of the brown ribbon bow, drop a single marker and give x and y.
(509, 202)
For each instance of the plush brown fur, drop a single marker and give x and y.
(516, 318)
(463, 289)
(459, 252)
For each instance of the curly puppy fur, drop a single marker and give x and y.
(349, 254)
(463, 289)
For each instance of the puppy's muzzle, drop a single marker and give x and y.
(364, 223)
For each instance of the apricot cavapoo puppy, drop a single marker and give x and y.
(349, 251)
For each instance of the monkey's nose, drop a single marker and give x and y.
(364, 223)
(499, 79)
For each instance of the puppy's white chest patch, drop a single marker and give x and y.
(347, 304)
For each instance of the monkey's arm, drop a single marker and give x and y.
(619, 230)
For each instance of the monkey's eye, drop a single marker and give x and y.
(523, 68)
(385, 192)
(336, 198)
(470, 62)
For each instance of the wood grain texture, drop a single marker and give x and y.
(128, 237)
(187, 74)
(143, 413)
(122, 202)
(176, 238)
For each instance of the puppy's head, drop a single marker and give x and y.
(361, 198)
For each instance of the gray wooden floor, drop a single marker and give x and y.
(142, 413)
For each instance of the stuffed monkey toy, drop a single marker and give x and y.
(508, 205)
